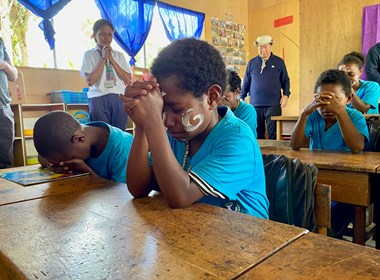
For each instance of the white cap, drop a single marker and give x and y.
(263, 40)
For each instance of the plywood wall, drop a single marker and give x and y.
(328, 30)
(262, 15)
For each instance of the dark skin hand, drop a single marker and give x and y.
(68, 166)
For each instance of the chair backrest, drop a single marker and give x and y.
(293, 194)
(373, 145)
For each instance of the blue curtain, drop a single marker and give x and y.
(370, 29)
(180, 23)
(132, 20)
(46, 9)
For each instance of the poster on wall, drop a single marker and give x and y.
(228, 37)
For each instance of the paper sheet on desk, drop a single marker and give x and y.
(36, 176)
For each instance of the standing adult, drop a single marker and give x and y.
(267, 82)
(107, 73)
(7, 132)
(372, 67)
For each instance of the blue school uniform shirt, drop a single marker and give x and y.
(228, 167)
(112, 162)
(247, 113)
(332, 139)
(369, 92)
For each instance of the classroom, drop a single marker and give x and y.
(134, 166)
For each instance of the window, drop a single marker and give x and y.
(73, 26)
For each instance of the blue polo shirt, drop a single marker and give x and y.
(265, 86)
(228, 168)
(112, 162)
(369, 92)
(332, 138)
(247, 113)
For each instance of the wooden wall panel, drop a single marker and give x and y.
(328, 30)
(262, 14)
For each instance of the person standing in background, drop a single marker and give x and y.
(372, 67)
(107, 73)
(265, 77)
(7, 131)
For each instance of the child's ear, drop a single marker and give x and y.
(77, 138)
(214, 94)
(349, 98)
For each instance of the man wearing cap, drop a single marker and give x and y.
(267, 82)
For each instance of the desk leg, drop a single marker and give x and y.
(375, 182)
(278, 130)
(359, 225)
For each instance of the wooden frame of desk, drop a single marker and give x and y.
(353, 179)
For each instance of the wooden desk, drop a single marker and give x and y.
(352, 178)
(102, 233)
(285, 124)
(316, 256)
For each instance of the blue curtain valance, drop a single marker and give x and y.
(46, 9)
(180, 23)
(132, 20)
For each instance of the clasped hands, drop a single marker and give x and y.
(143, 101)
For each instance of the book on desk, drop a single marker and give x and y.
(36, 175)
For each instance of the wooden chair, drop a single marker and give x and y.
(295, 197)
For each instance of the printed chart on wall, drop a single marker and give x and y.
(228, 37)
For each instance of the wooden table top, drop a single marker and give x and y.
(315, 257)
(368, 162)
(11, 192)
(295, 118)
(102, 233)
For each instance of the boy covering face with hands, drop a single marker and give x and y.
(326, 121)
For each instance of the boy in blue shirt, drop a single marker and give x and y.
(242, 110)
(326, 121)
(197, 151)
(65, 145)
(330, 125)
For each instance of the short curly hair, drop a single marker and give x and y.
(196, 64)
(335, 77)
(355, 58)
(53, 131)
(234, 80)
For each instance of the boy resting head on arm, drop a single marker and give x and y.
(65, 145)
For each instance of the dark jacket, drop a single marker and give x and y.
(372, 67)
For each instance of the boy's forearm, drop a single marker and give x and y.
(298, 138)
(138, 170)
(359, 105)
(351, 136)
(174, 182)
